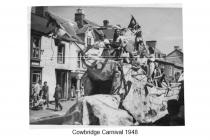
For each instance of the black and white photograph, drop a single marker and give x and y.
(114, 69)
(106, 65)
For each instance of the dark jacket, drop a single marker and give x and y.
(45, 91)
(58, 93)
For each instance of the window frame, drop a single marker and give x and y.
(80, 64)
(89, 40)
(61, 55)
(38, 49)
(36, 72)
(78, 59)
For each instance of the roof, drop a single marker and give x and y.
(97, 33)
(39, 24)
(69, 26)
(109, 33)
(176, 50)
(86, 21)
(169, 63)
(83, 29)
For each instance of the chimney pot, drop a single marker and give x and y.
(106, 22)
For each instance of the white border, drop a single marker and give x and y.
(14, 73)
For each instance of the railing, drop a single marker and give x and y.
(36, 53)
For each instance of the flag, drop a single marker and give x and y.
(133, 23)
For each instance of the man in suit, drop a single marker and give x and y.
(57, 96)
(45, 93)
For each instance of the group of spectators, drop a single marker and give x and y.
(40, 96)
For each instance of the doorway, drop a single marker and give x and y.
(61, 79)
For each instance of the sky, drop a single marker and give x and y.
(161, 24)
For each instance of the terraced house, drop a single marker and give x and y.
(54, 58)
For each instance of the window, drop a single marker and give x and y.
(78, 60)
(177, 75)
(61, 54)
(36, 47)
(88, 41)
(36, 75)
(170, 70)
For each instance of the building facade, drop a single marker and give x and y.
(86, 29)
(53, 59)
(173, 64)
(176, 58)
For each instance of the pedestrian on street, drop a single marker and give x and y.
(82, 90)
(57, 96)
(45, 93)
(73, 91)
(37, 90)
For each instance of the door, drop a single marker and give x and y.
(61, 79)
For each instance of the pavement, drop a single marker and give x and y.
(49, 113)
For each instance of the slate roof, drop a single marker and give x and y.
(109, 33)
(89, 24)
(178, 50)
(39, 24)
(169, 63)
(86, 21)
(68, 25)
(83, 29)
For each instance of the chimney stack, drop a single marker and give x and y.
(40, 10)
(151, 43)
(151, 46)
(106, 23)
(176, 47)
(79, 17)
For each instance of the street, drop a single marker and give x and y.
(50, 113)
